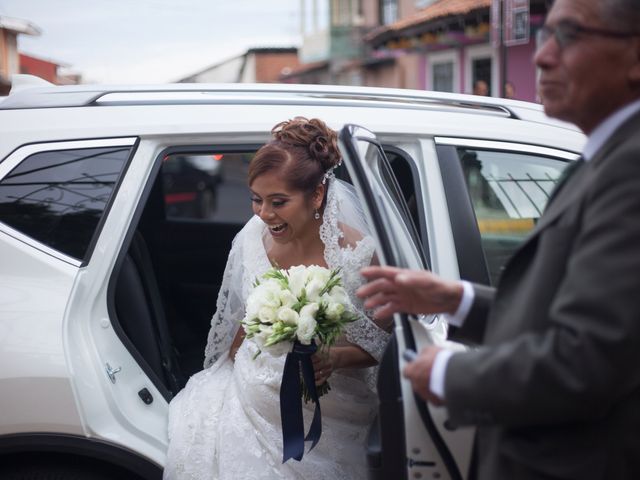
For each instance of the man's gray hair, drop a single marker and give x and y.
(622, 15)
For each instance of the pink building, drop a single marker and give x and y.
(442, 45)
(452, 44)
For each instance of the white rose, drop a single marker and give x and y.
(321, 274)
(267, 314)
(307, 323)
(266, 294)
(334, 311)
(270, 293)
(297, 279)
(254, 302)
(287, 315)
(313, 289)
(287, 299)
(339, 295)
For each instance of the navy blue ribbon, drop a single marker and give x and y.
(291, 402)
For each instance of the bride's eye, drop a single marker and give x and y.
(279, 203)
(256, 200)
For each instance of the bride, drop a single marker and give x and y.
(225, 424)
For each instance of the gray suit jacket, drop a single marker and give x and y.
(555, 390)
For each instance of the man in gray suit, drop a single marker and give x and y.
(555, 387)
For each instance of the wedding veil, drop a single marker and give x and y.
(247, 260)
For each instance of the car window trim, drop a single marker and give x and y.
(36, 245)
(507, 146)
(21, 153)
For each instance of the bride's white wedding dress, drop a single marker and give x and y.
(225, 424)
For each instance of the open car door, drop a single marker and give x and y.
(410, 438)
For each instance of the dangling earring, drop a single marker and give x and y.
(316, 215)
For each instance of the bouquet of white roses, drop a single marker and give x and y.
(299, 304)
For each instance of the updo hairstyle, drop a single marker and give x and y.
(301, 151)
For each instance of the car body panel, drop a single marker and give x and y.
(34, 375)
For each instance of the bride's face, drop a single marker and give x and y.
(288, 213)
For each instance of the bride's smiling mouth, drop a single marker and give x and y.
(277, 229)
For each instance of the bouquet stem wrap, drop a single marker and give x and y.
(291, 402)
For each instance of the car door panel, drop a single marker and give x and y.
(426, 451)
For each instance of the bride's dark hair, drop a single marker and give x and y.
(301, 149)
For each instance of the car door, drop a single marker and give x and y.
(410, 439)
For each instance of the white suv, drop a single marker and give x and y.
(112, 252)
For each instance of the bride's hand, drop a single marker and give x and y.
(322, 365)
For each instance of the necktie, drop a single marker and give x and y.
(564, 177)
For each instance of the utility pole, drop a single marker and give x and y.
(503, 49)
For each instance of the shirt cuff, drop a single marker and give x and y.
(459, 316)
(438, 370)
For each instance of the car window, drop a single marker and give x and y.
(207, 186)
(404, 186)
(509, 191)
(58, 197)
(406, 179)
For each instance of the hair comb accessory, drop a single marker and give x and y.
(329, 173)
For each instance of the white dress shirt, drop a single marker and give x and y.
(595, 141)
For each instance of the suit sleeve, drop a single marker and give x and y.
(587, 357)
(472, 330)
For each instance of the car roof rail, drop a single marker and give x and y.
(37, 96)
(23, 81)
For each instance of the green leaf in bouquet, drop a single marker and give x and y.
(278, 275)
(302, 301)
(334, 280)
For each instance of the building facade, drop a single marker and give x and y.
(442, 45)
(10, 28)
(256, 65)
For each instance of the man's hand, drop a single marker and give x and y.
(419, 373)
(394, 290)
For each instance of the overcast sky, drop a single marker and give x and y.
(151, 41)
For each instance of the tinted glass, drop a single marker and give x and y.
(209, 187)
(58, 197)
(509, 192)
(406, 181)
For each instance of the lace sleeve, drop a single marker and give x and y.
(343, 209)
(229, 310)
(246, 261)
(364, 332)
